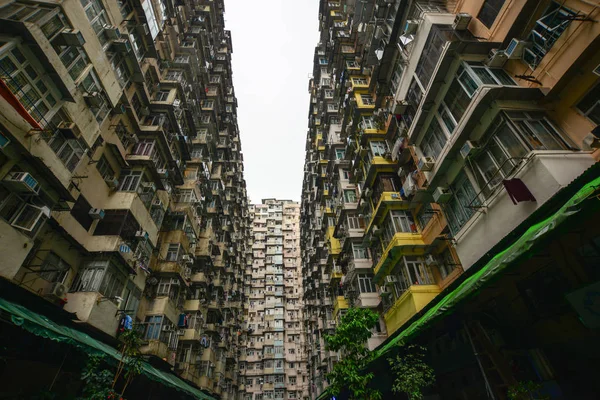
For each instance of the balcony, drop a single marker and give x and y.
(340, 303)
(408, 304)
(402, 243)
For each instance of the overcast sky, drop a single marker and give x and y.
(273, 47)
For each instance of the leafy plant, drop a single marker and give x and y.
(350, 338)
(412, 373)
(131, 358)
(526, 391)
(97, 381)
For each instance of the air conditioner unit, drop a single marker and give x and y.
(468, 148)
(597, 70)
(144, 111)
(93, 99)
(69, 129)
(187, 259)
(22, 182)
(379, 32)
(411, 26)
(96, 213)
(120, 109)
(143, 29)
(134, 138)
(461, 21)
(426, 164)
(176, 103)
(112, 182)
(71, 37)
(430, 260)
(442, 194)
(57, 291)
(141, 235)
(377, 230)
(383, 291)
(112, 32)
(167, 328)
(515, 48)
(400, 107)
(157, 203)
(496, 59)
(390, 279)
(121, 46)
(368, 192)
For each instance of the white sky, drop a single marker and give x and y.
(273, 48)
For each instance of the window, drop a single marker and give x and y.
(367, 100)
(434, 140)
(365, 283)
(96, 14)
(349, 196)
(130, 180)
(590, 104)
(355, 222)
(378, 148)
(359, 251)
(339, 154)
(29, 218)
(397, 75)
(328, 94)
(345, 174)
(153, 327)
(162, 95)
(74, 59)
(510, 137)
(461, 206)
(104, 168)
(131, 298)
(91, 84)
(546, 32)
(173, 252)
(100, 276)
(413, 97)
(489, 11)
(207, 104)
(438, 36)
(69, 151)
(54, 268)
(26, 84)
(359, 81)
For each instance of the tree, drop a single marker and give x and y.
(526, 391)
(412, 373)
(350, 337)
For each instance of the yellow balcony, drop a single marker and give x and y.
(336, 275)
(360, 84)
(387, 201)
(401, 244)
(364, 101)
(340, 303)
(411, 302)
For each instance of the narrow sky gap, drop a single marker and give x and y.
(273, 47)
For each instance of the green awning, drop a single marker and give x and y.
(44, 327)
(494, 267)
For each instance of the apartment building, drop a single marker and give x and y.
(273, 358)
(122, 197)
(437, 131)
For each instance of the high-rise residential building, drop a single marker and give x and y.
(439, 131)
(273, 357)
(122, 197)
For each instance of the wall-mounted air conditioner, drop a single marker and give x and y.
(71, 37)
(411, 26)
(426, 164)
(69, 129)
(496, 59)
(96, 213)
(468, 148)
(442, 194)
(461, 21)
(515, 48)
(22, 182)
(112, 182)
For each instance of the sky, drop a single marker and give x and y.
(273, 48)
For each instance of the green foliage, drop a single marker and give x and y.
(349, 338)
(526, 391)
(97, 381)
(412, 373)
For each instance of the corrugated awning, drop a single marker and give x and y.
(45, 327)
